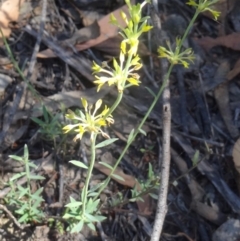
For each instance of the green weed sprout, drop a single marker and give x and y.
(26, 204)
(50, 127)
(122, 75)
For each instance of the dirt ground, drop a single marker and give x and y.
(53, 45)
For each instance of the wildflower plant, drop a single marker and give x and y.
(26, 204)
(122, 74)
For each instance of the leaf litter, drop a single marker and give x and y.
(204, 102)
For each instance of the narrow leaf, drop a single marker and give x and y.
(78, 227)
(36, 177)
(130, 136)
(79, 164)
(106, 142)
(154, 196)
(143, 132)
(151, 92)
(17, 158)
(106, 165)
(118, 177)
(195, 158)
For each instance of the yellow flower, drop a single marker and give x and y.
(90, 121)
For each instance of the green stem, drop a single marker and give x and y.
(15, 64)
(188, 30)
(120, 94)
(85, 189)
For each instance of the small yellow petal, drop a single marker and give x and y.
(84, 103)
(98, 105)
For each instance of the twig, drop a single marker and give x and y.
(4, 208)
(165, 167)
(39, 39)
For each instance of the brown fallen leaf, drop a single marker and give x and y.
(88, 17)
(107, 30)
(236, 155)
(129, 181)
(221, 94)
(9, 12)
(84, 34)
(231, 41)
(236, 161)
(235, 71)
(208, 212)
(112, 47)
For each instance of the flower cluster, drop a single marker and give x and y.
(89, 122)
(117, 75)
(176, 56)
(135, 26)
(122, 73)
(205, 5)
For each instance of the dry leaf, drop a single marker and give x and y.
(9, 12)
(231, 41)
(107, 30)
(235, 71)
(236, 155)
(84, 34)
(221, 95)
(208, 212)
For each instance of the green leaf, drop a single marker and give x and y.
(143, 132)
(26, 153)
(45, 114)
(38, 121)
(75, 204)
(154, 196)
(23, 218)
(17, 176)
(31, 164)
(195, 158)
(91, 226)
(151, 92)
(23, 191)
(106, 165)
(36, 177)
(106, 142)
(118, 177)
(37, 193)
(92, 206)
(17, 158)
(92, 194)
(79, 164)
(99, 218)
(68, 215)
(130, 136)
(90, 217)
(78, 227)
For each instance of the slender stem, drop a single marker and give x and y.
(89, 174)
(116, 103)
(20, 72)
(188, 30)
